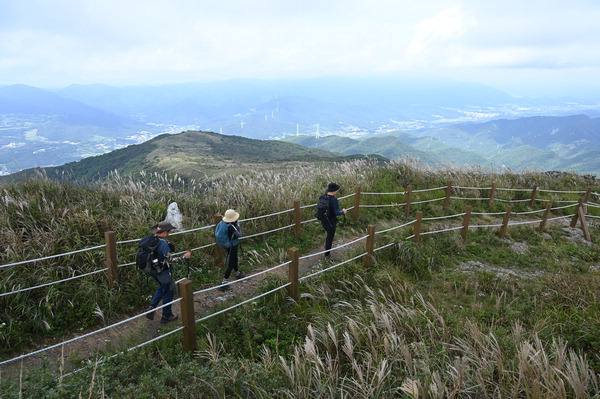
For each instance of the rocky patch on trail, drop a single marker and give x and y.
(519, 247)
(575, 235)
(474, 266)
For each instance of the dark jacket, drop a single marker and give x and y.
(334, 209)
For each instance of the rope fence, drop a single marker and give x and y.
(578, 215)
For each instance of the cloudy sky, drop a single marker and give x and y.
(525, 47)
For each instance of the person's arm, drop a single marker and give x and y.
(234, 230)
(335, 206)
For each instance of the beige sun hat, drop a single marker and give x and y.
(230, 216)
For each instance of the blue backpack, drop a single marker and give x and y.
(222, 237)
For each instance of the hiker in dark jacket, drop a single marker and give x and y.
(329, 224)
(166, 285)
(234, 231)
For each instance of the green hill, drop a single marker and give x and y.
(190, 154)
(393, 145)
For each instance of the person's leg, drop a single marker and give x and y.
(330, 228)
(231, 261)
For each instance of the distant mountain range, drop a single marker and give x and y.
(570, 143)
(192, 154)
(51, 127)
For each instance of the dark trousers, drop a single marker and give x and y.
(232, 260)
(165, 291)
(330, 229)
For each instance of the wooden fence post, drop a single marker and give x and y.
(545, 217)
(218, 251)
(186, 293)
(580, 214)
(297, 219)
(356, 202)
(293, 274)
(586, 197)
(505, 222)
(576, 215)
(370, 245)
(407, 194)
(584, 226)
(493, 193)
(533, 195)
(466, 221)
(110, 237)
(448, 192)
(417, 228)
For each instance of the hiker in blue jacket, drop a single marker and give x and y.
(330, 222)
(234, 232)
(166, 285)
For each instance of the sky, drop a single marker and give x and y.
(524, 47)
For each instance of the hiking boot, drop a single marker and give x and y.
(151, 314)
(239, 275)
(166, 319)
(225, 287)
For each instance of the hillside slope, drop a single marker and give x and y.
(190, 154)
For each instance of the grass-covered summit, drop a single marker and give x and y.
(192, 154)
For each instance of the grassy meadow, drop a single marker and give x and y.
(517, 317)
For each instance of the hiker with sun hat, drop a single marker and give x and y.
(228, 234)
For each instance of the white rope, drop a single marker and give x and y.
(476, 226)
(470, 198)
(431, 200)
(396, 227)
(563, 207)
(592, 216)
(267, 232)
(429, 189)
(441, 231)
(242, 279)
(191, 250)
(332, 267)
(54, 282)
(526, 222)
(126, 264)
(242, 303)
(309, 221)
(528, 212)
(128, 241)
(514, 189)
(266, 216)
(53, 256)
(593, 205)
(191, 230)
(123, 352)
(397, 193)
(384, 246)
(558, 191)
(381, 206)
(444, 217)
(561, 217)
(487, 213)
(308, 206)
(335, 248)
(472, 188)
(88, 334)
(558, 201)
(348, 196)
(409, 237)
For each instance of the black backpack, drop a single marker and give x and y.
(323, 206)
(147, 256)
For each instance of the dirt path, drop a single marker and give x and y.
(142, 329)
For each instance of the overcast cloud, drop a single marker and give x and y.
(523, 47)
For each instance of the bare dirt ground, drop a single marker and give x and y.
(142, 329)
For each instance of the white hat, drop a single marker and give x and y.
(230, 216)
